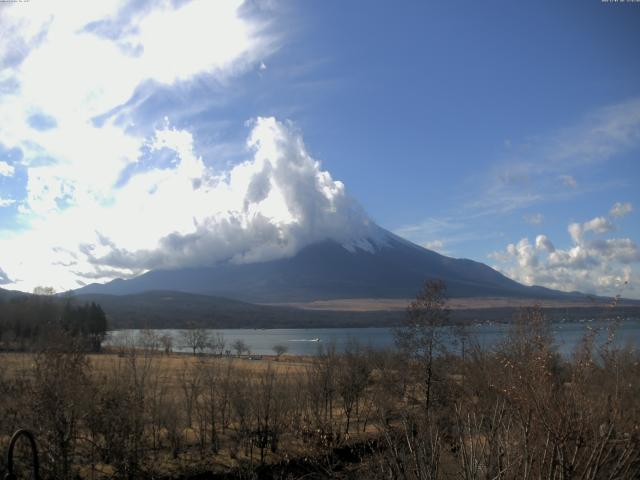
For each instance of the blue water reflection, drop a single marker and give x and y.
(308, 341)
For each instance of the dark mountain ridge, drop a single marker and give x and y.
(167, 309)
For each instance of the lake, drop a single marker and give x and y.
(308, 341)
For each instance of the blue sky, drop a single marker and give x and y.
(185, 133)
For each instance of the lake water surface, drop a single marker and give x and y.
(308, 341)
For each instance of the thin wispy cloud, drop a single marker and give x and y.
(444, 235)
(430, 226)
(534, 218)
(526, 176)
(568, 181)
(621, 209)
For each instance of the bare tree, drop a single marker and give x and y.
(191, 384)
(45, 291)
(211, 403)
(240, 400)
(197, 339)
(269, 410)
(167, 343)
(149, 340)
(321, 393)
(280, 350)
(352, 377)
(421, 334)
(240, 347)
(217, 344)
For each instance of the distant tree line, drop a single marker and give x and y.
(33, 321)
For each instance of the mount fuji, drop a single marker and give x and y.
(380, 266)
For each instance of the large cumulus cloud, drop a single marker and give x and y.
(267, 207)
(103, 198)
(85, 185)
(188, 214)
(594, 263)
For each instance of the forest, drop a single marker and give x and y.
(32, 322)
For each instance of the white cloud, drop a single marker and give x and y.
(621, 209)
(6, 170)
(601, 135)
(597, 224)
(117, 46)
(534, 218)
(575, 230)
(428, 228)
(569, 181)
(435, 245)
(5, 202)
(592, 264)
(543, 243)
(269, 206)
(89, 193)
(184, 34)
(524, 252)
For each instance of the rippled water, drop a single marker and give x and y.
(309, 341)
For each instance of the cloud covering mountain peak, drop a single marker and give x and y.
(186, 213)
(267, 207)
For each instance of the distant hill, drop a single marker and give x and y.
(9, 294)
(171, 309)
(392, 268)
(167, 309)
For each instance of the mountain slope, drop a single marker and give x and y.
(6, 295)
(394, 268)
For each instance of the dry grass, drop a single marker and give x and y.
(396, 304)
(16, 364)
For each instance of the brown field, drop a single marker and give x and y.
(391, 304)
(21, 363)
(175, 371)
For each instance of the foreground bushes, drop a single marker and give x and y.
(517, 411)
